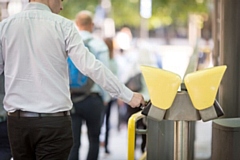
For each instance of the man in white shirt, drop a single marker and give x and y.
(34, 46)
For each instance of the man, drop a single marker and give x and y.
(91, 108)
(34, 46)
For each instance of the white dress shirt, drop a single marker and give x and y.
(34, 46)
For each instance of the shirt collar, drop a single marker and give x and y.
(37, 6)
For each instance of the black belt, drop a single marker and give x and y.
(20, 113)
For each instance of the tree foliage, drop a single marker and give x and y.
(126, 12)
(72, 7)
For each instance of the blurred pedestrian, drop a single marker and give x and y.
(124, 59)
(91, 108)
(5, 150)
(34, 46)
(130, 74)
(113, 67)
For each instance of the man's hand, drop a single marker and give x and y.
(137, 100)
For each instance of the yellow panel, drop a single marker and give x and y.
(162, 86)
(203, 85)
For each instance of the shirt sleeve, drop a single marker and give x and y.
(96, 70)
(103, 56)
(1, 59)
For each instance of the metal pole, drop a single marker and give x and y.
(181, 140)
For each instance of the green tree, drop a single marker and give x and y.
(126, 12)
(72, 7)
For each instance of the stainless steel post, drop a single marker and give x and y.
(181, 140)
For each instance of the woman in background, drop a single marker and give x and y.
(113, 68)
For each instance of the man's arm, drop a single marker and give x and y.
(102, 54)
(1, 59)
(95, 69)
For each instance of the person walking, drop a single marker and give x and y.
(34, 46)
(114, 68)
(91, 108)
